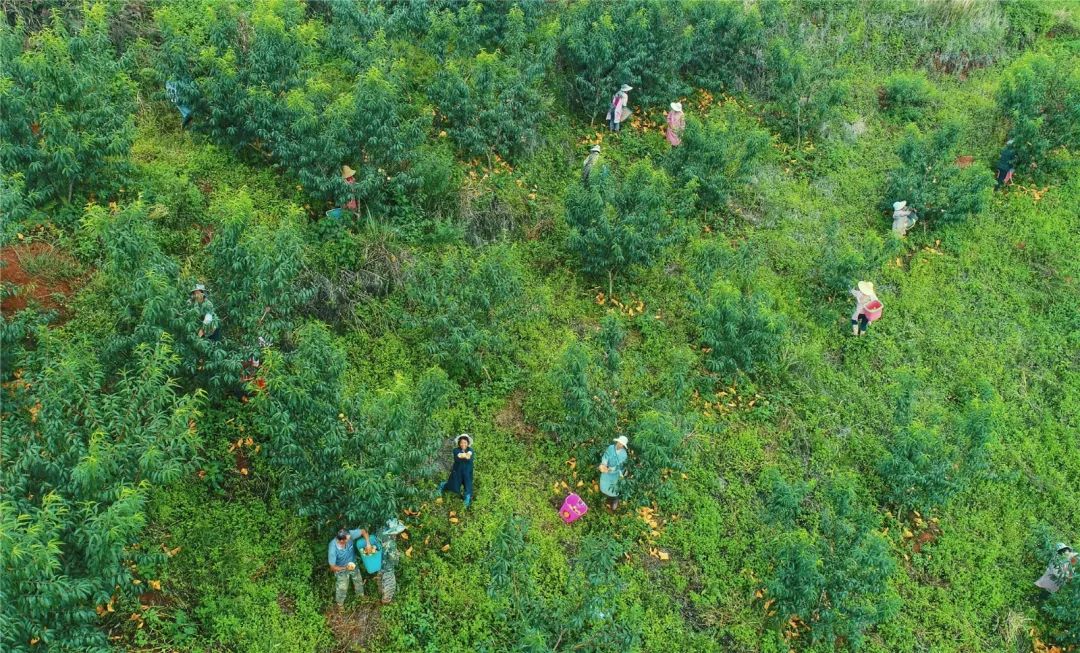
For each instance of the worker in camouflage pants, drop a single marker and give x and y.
(341, 555)
(390, 557)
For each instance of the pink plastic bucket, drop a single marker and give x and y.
(873, 310)
(572, 509)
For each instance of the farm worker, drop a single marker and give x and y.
(1061, 569)
(618, 111)
(172, 90)
(204, 308)
(611, 470)
(341, 555)
(390, 557)
(1005, 164)
(349, 175)
(590, 161)
(903, 218)
(676, 122)
(864, 294)
(461, 474)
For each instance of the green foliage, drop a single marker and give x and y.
(81, 450)
(612, 335)
(929, 180)
(831, 568)
(659, 451)
(492, 104)
(928, 464)
(345, 460)
(619, 223)
(740, 332)
(905, 96)
(719, 153)
(242, 571)
(461, 310)
(1040, 97)
(802, 93)
(587, 414)
(67, 121)
(724, 40)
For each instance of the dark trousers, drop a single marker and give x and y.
(862, 322)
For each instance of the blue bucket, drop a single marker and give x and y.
(335, 214)
(372, 561)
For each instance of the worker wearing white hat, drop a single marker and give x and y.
(611, 470)
(387, 536)
(903, 218)
(676, 122)
(204, 309)
(1062, 568)
(618, 111)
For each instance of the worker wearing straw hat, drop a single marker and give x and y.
(618, 111)
(611, 470)
(590, 161)
(864, 296)
(903, 218)
(461, 474)
(676, 122)
(349, 175)
(204, 310)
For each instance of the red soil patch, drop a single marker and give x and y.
(39, 272)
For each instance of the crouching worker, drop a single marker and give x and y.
(341, 556)
(390, 557)
(867, 308)
(1062, 568)
(903, 218)
(461, 474)
(611, 470)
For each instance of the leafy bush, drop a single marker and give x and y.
(659, 452)
(619, 223)
(740, 333)
(802, 92)
(905, 96)
(587, 413)
(81, 451)
(720, 153)
(68, 111)
(725, 39)
(1040, 96)
(356, 460)
(462, 308)
(831, 569)
(929, 180)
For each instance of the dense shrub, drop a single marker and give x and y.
(617, 223)
(725, 39)
(587, 413)
(659, 452)
(719, 153)
(739, 333)
(345, 459)
(462, 308)
(929, 180)
(905, 96)
(831, 568)
(1040, 96)
(802, 92)
(81, 451)
(67, 120)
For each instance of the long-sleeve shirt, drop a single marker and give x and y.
(586, 169)
(861, 300)
(618, 106)
(676, 122)
(340, 557)
(613, 459)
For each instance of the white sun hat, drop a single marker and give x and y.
(866, 288)
(676, 106)
(622, 440)
(898, 205)
(594, 148)
(625, 88)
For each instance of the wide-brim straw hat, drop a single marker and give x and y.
(625, 88)
(622, 440)
(898, 205)
(866, 287)
(594, 148)
(676, 106)
(394, 527)
(463, 435)
(346, 171)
